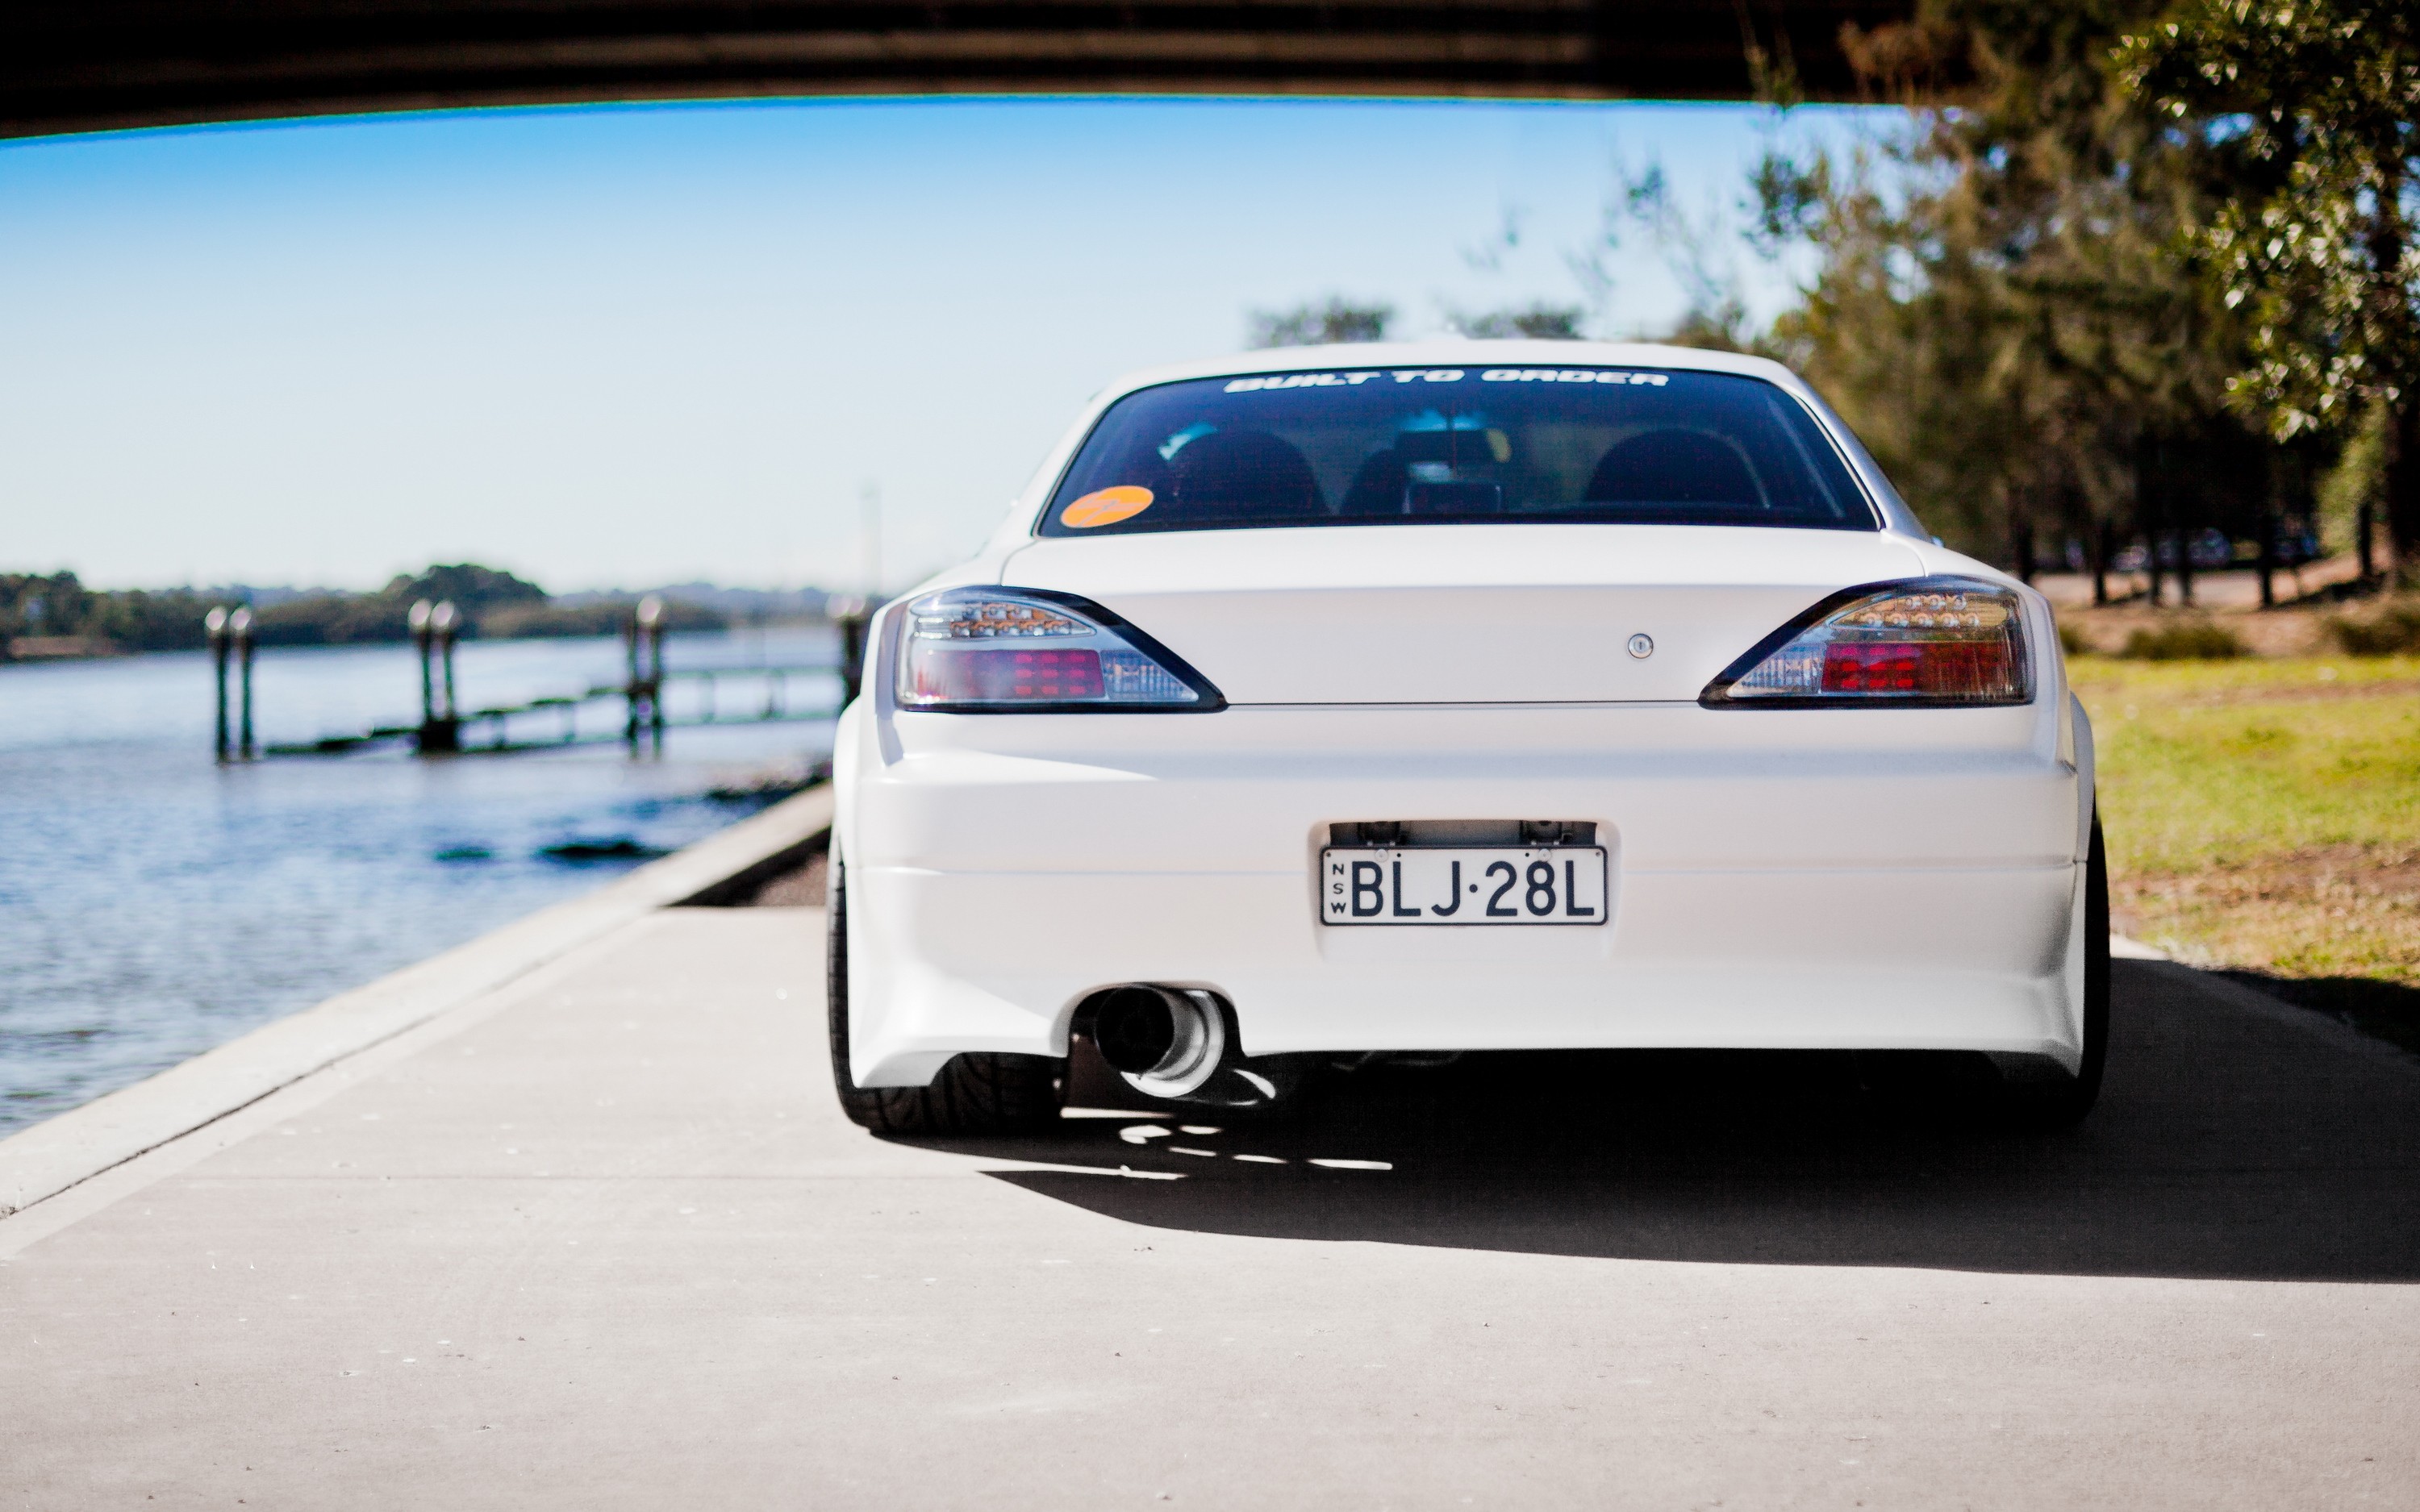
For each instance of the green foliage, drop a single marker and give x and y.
(333, 620)
(1338, 320)
(2312, 112)
(1545, 322)
(470, 586)
(31, 604)
(344, 619)
(493, 603)
(2071, 640)
(1998, 310)
(2186, 641)
(2314, 102)
(135, 620)
(59, 605)
(2392, 630)
(2358, 477)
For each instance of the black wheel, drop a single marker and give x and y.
(2059, 1101)
(975, 1094)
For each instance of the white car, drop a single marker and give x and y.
(1459, 696)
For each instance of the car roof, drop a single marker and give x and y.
(1454, 351)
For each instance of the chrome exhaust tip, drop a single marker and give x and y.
(1166, 1042)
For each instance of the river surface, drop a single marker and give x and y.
(154, 903)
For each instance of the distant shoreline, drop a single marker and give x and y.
(37, 650)
(54, 617)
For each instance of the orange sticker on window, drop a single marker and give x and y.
(1107, 506)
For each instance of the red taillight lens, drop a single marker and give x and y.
(1938, 640)
(989, 676)
(988, 650)
(1935, 668)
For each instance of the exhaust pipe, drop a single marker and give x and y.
(1166, 1041)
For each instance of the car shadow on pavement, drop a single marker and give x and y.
(2230, 1142)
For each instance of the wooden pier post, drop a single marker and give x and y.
(239, 625)
(432, 634)
(215, 625)
(447, 624)
(631, 683)
(418, 621)
(651, 626)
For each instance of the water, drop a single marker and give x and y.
(153, 904)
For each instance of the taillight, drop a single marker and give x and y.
(1022, 650)
(1930, 642)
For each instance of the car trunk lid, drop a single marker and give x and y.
(1461, 613)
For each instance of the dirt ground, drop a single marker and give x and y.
(2307, 598)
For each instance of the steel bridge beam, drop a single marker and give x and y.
(86, 65)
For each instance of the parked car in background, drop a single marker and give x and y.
(1463, 696)
(2208, 550)
(2296, 543)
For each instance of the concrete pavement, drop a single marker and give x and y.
(188, 1099)
(600, 1238)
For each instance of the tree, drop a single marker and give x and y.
(1540, 321)
(470, 586)
(1998, 307)
(2313, 106)
(128, 620)
(1319, 325)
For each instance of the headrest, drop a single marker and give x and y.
(1243, 474)
(1378, 487)
(1672, 466)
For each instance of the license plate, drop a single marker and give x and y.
(1494, 885)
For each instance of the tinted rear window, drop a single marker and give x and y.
(1445, 445)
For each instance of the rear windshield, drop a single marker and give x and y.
(1569, 446)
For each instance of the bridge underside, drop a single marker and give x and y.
(87, 65)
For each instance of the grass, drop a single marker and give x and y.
(2264, 815)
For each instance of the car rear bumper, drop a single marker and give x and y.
(1811, 879)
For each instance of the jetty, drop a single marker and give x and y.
(445, 727)
(567, 1217)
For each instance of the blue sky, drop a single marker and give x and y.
(640, 344)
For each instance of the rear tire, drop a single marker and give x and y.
(975, 1094)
